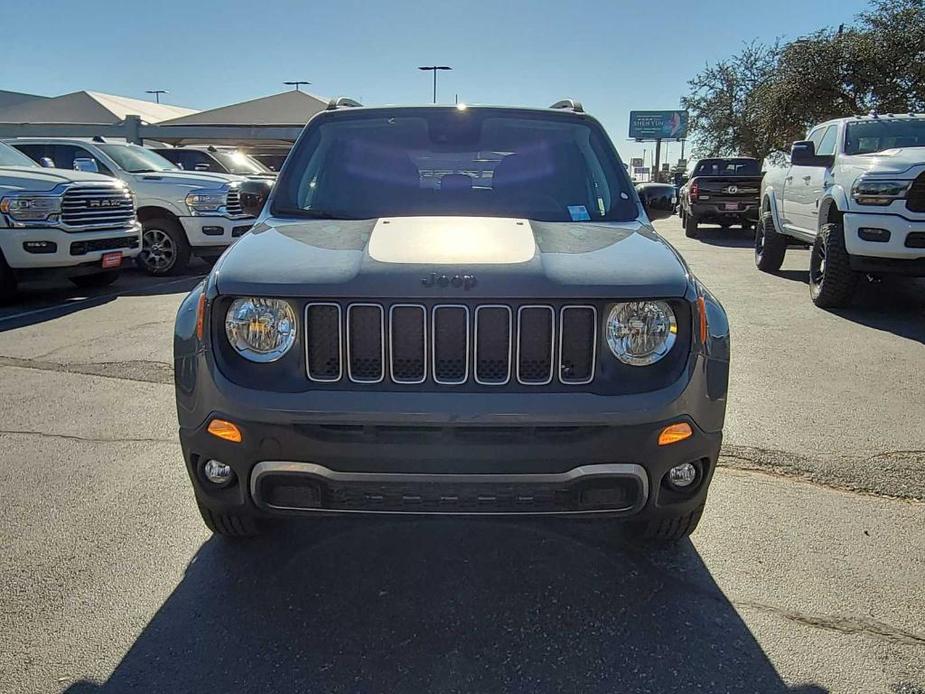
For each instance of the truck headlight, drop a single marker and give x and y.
(30, 208)
(261, 330)
(200, 201)
(878, 191)
(640, 333)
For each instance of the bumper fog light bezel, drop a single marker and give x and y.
(678, 484)
(217, 473)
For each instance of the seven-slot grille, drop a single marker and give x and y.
(233, 203)
(87, 207)
(450, 344)
(915, 198)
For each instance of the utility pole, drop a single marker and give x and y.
(658, 155)
(296, 84)
(434, 69)
(157, 94)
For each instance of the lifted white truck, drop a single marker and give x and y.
(58, 223)
(855, 192)
(183, 213)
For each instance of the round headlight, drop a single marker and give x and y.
(261, 330)
(640, 333)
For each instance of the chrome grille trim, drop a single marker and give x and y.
(552, 344)
(233, 203)
(340, 342)
(350, 375)
(593, 344)
(423, 310)
(78, 215)
(510, 344)
(433, 344)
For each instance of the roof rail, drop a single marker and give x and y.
(570, 104)
(342, 102)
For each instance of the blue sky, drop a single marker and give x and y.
(614, 55)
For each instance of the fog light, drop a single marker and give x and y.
(218, 473)
(874, 234)
(682, 475)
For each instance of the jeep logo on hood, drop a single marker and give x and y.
(466, 281)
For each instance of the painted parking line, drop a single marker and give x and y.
(99, 297)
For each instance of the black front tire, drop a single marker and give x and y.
(164, 247)
(667, 529)
(831, 279)
(99, 279)
(690, 226)
(230, 525)
(770, 247)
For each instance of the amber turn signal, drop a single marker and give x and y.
(200, 316)
(674, 433)
(225, 430)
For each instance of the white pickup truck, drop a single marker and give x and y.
(58, 223)
(855, 192)
(182, 213)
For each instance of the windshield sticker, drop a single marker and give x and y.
(579, 213)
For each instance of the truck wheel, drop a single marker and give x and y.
(668, 528)
(831, 280)
(770, 247)
(690, 226)
(229, 524)
(164, 248)
(99, 279)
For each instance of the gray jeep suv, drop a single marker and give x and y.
(452, 311)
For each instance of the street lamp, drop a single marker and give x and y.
(434, 68)
(157, 93)
(296, 84)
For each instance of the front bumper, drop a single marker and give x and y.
(67, 249)
(896, 247)
(215, 232)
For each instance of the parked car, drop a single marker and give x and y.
(521, 343)
(183, 213)
(721, 191)
(855, 192)
(227, 160)
(58, 223)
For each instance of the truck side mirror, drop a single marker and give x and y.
(254, 196)
(803, 153)
(86, 164)
(202, 166)
(47, 162)
(658, 199)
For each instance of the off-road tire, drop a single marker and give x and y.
(831, 279)
(180, 247)
(667, 529)
(98, 279)
(770, 246)
(230, 525)
(690, 226)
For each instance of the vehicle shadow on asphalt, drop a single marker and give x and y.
(446, 606)
(726, 238)
(44, 303)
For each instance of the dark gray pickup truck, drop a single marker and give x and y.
(721, 191)
(452, 311)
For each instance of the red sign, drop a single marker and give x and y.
(111, 260)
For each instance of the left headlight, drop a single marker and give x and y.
(878, 192)
(30, 208)
(261, 330)
(206, 200)
(640, 333)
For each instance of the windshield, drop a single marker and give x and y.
(868, 136)
(728, 167)
(12, 157)
(471, 162)
(239, 163)
(135, 159)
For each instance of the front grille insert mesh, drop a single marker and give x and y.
(493, 332)
(323, 346)
(408, 343)
(915, 198)
(535, 344)
(577, 344)
(451, 344)
(365, 343)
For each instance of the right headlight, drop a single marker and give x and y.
(873, 191)
(261, 330)
(640, 333)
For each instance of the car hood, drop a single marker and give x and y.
(38, 179)
(194, 179)
(889, 161)
(443, 257)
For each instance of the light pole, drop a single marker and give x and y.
(434, 68)
(157, 93)
(296, 84)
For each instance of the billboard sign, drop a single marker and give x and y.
(658, 125)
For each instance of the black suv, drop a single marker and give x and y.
(451, 310)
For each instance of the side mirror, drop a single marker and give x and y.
(803, 153)
(86, 164)
(254, 196)
(47, 162)
(658, 199)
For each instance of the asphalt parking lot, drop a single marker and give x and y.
(804, 576)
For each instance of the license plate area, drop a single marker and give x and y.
(111, 260)
(731, 206)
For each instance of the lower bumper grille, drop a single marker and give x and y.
(84, 247)
(614, 488)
